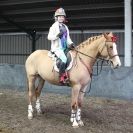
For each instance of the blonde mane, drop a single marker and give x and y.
(90, 40)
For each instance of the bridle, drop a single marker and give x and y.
(109, 55)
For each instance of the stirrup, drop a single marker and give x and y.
(65, 81)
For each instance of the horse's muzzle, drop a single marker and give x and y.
(116, 65)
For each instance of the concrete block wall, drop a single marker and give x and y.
(110, 83)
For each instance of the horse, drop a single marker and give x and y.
(39, 66)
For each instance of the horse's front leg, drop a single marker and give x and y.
(78, 117)
(37, 94)
(80, 100)
(74, 105)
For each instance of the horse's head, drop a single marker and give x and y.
(109, 50)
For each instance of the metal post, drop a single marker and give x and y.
(33, 40)
(128, 33)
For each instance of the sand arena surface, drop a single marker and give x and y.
(100, 115)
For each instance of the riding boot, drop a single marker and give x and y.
(62, 74)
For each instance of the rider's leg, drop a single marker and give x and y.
(62, 71)
(62, 74)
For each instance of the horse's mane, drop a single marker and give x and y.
(89, 41)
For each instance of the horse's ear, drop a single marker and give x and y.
(105, 35)
(111, 34)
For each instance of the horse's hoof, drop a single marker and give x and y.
(75, 125)
(30, 117)
(81, 123)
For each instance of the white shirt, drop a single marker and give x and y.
(55, 41)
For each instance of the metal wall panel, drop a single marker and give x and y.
(14, 48)
(43, 42)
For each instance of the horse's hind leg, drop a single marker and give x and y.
(31, 87)
(37, 94)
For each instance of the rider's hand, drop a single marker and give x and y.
(60, 35)
(71, 46)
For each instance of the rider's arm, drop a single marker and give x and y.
(52, 35)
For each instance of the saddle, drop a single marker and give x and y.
(57, 61)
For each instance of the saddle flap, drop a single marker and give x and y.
(68, 64)
(57, 61)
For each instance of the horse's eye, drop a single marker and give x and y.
(111, 47)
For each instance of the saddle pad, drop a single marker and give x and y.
(54, 58)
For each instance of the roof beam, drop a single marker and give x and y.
(73, 17)
(67, 8)
(74, 24)
(23, 2)
(16, 24)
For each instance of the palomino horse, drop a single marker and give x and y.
(40, 66)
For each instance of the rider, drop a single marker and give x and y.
(60, 41)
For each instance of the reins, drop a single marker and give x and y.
(101, 59)
(86, 54)
(91, 73)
